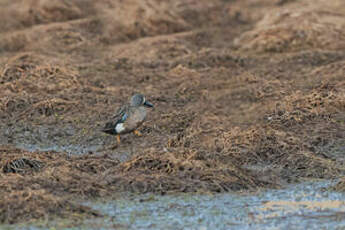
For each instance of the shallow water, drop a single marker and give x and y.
(121, 155)
(303, 206)
(70, 149)
(308, 205)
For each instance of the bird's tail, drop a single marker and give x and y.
(109, 128)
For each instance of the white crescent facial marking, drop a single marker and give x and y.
(119, 128)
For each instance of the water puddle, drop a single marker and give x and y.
(303, 206)
(69, 148)
(121, 155)
(49, 138)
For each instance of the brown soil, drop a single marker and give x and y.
(247, 95)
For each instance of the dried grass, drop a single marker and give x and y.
(340, 186)
(298, 26)
(223, 120)
(37, 184)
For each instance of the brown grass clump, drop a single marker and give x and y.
(39, 185)
(183, 173)
(25, 75)
(131, 20)
(23, 14)
(289, 140)
(21, 165)
(28, 205)
(340, 186)
(286, 151)
(34, 185)
(322, 102)
(135, 19)
(41, 23)
(30, 73)
(316, 24)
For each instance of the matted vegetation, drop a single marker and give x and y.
(244, 99)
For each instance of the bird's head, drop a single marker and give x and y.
(139, 100)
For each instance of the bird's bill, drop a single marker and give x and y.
(148, 104)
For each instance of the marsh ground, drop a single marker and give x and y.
(247, 94)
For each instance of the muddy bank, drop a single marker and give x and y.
(244, 99)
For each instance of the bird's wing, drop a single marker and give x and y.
(121, 114)
(119, 117)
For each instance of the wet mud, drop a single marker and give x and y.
(308, 205)
(248, 95)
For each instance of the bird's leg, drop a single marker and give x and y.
(118, 139)
(136, 132)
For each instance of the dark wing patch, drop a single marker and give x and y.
(119, 117)
(109, 128)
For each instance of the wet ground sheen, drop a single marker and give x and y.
(309, 205)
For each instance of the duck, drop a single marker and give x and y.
(129, 117)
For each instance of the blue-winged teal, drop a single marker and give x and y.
(129, 117)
